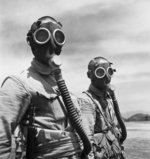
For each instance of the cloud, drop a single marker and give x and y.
(116, 29)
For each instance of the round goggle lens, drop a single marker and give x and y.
(100, 72)
(42, 36)
(110, 71)
(59, 37)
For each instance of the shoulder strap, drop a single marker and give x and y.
(110, 126)
(100, 110)
(89, 95)
(17, 79)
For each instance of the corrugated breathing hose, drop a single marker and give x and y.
(118, 116)
(72, 113)
(121, 122)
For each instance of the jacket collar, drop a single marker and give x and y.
(41, 68)
(97, 92)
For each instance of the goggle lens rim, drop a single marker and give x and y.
(43, 32)
(109, 72)
(59, 37)
(98, 71)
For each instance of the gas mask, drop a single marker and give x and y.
(99, 69)
(46, 33)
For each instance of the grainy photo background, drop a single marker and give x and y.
(116, 29)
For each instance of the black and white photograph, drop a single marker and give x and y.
(74, 79)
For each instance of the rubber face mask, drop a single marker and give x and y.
(101, 81)
(46, 34)
(46, 39)
(100, 72)
(101, 77)
(49, 35)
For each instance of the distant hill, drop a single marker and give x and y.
(128, 114)
(138, 117)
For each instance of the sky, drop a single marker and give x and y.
(116, 29)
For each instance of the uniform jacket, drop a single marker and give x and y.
(96, 108)
(55, 136)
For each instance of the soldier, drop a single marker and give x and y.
(32, 111)
(100, 112)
